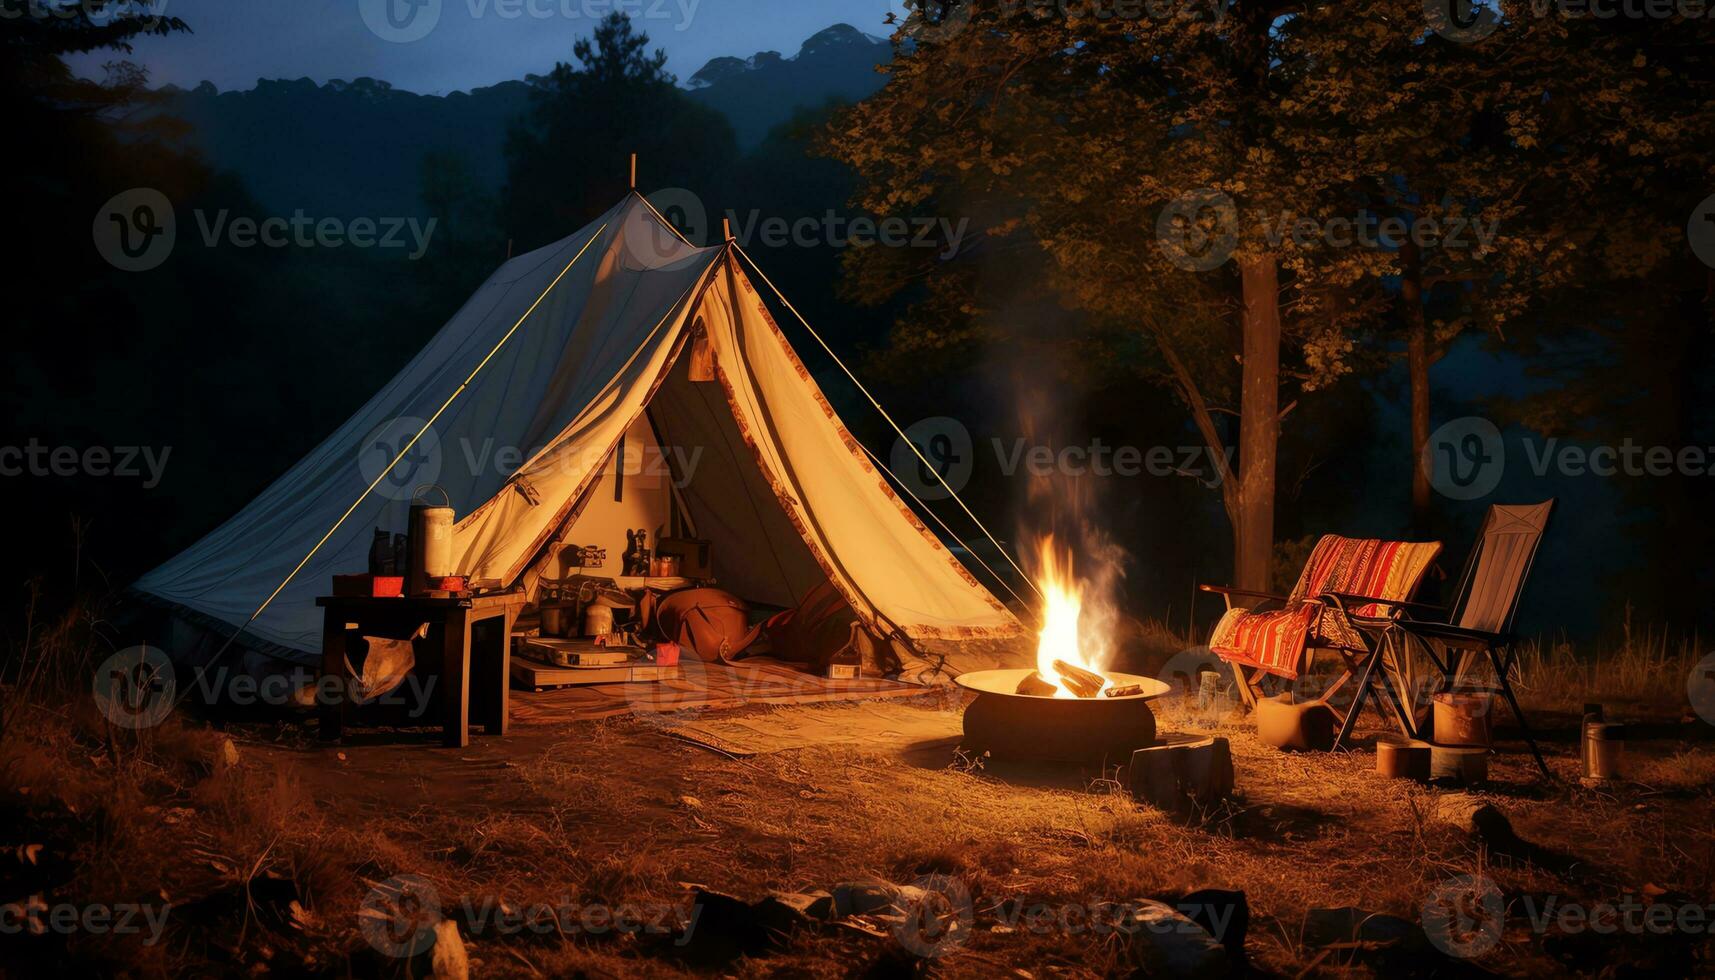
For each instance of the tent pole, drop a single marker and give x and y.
(634, 171)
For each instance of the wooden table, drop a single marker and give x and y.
(450, 625)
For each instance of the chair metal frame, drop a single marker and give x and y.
(1498, 646)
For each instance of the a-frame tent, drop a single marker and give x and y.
(558, 355)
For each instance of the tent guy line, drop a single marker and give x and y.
(880, 410)
(603, 356)
(406, 448)
(942, 524)
(895, 425)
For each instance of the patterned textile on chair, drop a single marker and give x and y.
(1276, 640)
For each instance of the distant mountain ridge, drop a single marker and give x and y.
(762, 91)
(350, 148)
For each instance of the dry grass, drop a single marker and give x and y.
(1647, 668)
(265, 862)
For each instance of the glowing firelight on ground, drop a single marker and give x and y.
(1061, 637)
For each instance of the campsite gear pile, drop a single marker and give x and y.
(711, 624)
(827, 636)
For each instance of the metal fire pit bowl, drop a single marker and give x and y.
(1029, 728)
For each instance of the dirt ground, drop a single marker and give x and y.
(572, 849)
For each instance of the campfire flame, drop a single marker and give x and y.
(1067, 634)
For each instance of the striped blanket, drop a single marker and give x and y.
(1276, 640)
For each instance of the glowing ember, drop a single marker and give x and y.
(1065, 632)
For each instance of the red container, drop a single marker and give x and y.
(376, 586)
(666, 654)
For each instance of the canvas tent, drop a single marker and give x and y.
(517, 408)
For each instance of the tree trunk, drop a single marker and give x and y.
(1417, 351)
(1259, 423)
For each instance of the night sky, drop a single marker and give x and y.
(471, 42)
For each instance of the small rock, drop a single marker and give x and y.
(691, 802)
(1470, 815)
(1224, 913)
(817, 905)
(865, 897)
(228, 754)
(449, 959)
(1348, 924)
(1167, 943)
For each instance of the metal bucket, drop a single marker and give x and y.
(1463, 717)
(431, 536)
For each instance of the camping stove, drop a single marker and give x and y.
(1034, 728)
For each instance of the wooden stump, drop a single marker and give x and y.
(1182, 772)
(1290, 726)
(1399, 758)
(1461, 765)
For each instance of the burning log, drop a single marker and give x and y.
(1124, 692)
(1035, 686)
(1081, 682)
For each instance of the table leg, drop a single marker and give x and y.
(331, 695)
(502, 677)
(455, 678)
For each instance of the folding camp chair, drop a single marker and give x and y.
(1482, 612)
(1281, 641)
